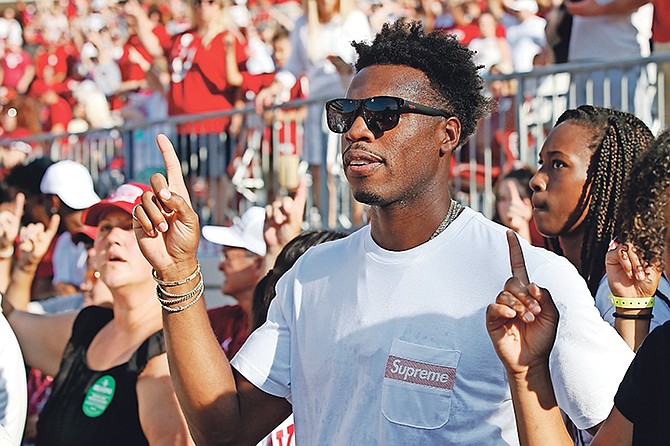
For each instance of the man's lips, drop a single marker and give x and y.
(354, 157)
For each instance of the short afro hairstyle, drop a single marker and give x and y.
(447, 64)
(643, 206)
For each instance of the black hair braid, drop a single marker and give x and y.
(447, 64)
(618, 137)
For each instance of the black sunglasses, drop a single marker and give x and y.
(380, 113)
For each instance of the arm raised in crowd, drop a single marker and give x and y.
(34, 243)
(522, 325)
(220, 405)
(10, 223)
(42, 337)
(629, 277)
(283, 222)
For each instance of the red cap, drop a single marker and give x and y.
(84, 233)
(125, 198)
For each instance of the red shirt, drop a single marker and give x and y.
(14, 66)
(50, 58)
(198, 80)
(131, 71)
(661, 27)
(58, 113)
(287, 132)
(465, 33)
(230, 327)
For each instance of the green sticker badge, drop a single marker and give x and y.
(99, 396)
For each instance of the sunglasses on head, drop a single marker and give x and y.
(380, 113)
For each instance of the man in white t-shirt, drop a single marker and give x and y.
(380, 338)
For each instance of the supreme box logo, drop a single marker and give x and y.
(421, 373)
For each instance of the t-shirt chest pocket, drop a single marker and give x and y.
(418, 385)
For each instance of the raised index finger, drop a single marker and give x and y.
(175, 176)
(516, 259)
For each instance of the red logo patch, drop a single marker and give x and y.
(421, 373)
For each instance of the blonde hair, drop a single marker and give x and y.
(311, 8)
(222, 22)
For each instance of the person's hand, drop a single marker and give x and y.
(340, 65)
(165, 224)
(10, 222)
(587, 8)
(266, 97)
(34, 241)
(522, 323)
(283, 219)
(137, 58)
(627, 276)
(134, 8)
(520, 211)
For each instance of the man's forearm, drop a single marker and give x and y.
(201, 375)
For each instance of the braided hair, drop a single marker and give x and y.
(617, 139)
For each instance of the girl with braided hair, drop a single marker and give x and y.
(639, 416)
(583, 167)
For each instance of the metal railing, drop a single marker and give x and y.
(514, 133)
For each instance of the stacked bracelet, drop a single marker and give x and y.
(178, 282)
(168, 300)
(633, 316)
(183, 307)
(633, 302)
(177, 298)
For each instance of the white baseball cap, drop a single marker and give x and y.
(525, 5)
(71, 182)
(247, 233)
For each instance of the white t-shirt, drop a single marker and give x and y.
(608, 36)
(379, 347)
(526, 40)
(13, 390)
(661, 309)
(69, 260)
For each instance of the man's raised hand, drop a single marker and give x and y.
(522, 322)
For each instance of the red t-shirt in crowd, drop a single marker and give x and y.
(14, 66)
(286, 134)
(230, 326)
(58, 113)
(465, 33)
(198, 80)
(660, 29)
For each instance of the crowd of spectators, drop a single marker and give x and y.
(68, 66)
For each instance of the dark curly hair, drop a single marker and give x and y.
(642, 209)
(448, 65)
(265, 288)
(617, 139)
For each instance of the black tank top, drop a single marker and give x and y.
(88, 407)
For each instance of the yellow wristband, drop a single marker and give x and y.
(633, 302)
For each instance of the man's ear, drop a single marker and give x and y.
(55, 203)
(451, 134)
